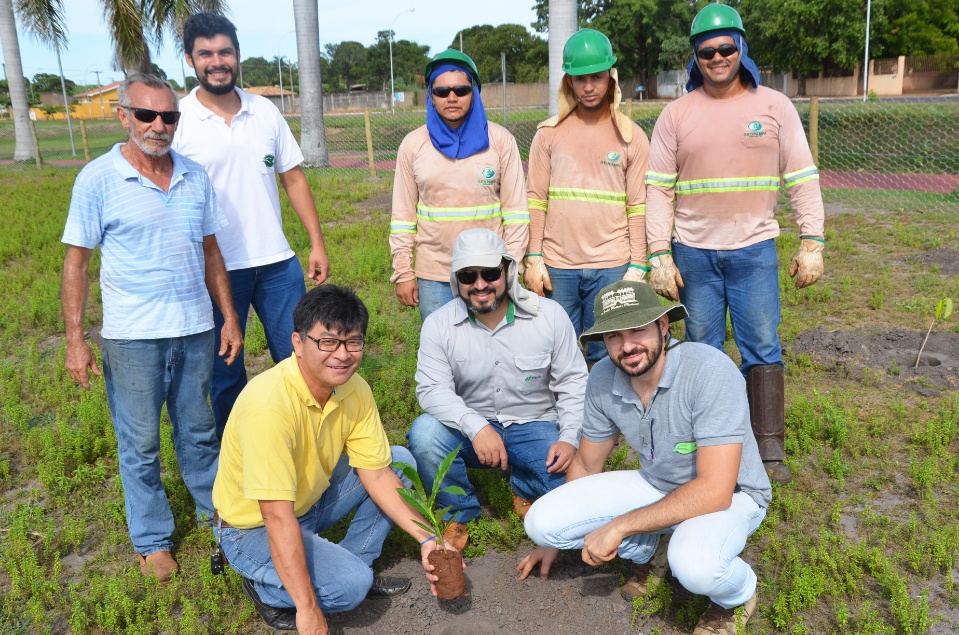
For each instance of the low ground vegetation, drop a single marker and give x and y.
(863, 541)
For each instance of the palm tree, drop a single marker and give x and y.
(562, 24)
(24, 148)
(313, 135)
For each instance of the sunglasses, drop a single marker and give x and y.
(468, 276)
(146, 115)
(707, 53)
(444, 91)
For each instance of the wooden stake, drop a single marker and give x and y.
(369, 142)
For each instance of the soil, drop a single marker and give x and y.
(448, 567)
(891, 352)
(576, 598)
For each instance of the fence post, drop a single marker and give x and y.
(814, 129)
(86, 144)
(369, 142)
(36, 144)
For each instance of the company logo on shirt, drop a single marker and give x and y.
(269, 160)
(529, 378)
(488, 175)
(612, 159)
(755, 129)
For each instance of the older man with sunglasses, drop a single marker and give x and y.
(153, 214)
(459, 171)
(721, 151)
(500, 375)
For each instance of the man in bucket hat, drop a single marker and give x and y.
(500, 373)
(683, 409)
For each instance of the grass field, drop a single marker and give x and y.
(863, 541)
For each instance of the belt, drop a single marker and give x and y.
(219, 522)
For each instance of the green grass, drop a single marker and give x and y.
(863, 541)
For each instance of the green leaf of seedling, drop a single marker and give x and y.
(442, 470)
(454, 489)
(416, 502)
(432, 530)
(410, 472)
(944, 309)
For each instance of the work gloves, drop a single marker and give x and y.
(536, 278)
(664, 277)
(808, 262)
(635, 273)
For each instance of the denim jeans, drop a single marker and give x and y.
(527, 445)
(703, 552)
(273, 291)
(746, 281)
(341, 573)
(575, 290)
(433, 295)
(140, 376)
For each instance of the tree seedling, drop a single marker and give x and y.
(943, 311)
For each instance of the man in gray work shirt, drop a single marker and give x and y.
(683, 409)
(500, 373)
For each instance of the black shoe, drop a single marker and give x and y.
(282, 619)
(386, 587)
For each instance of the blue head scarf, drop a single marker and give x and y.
(748, 70)
(473, 134)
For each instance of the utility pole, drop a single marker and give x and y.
(103, 110)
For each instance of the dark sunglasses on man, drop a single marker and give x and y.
(707, 53)
(444, 91)
(169, 117)
(469, 276)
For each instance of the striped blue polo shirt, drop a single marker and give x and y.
(151, 243)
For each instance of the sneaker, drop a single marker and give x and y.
(160, 565)
(649, 574)
(282, 619)
(456, 536)
(719, 621)
(521, 506)
(386, 587)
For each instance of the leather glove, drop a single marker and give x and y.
(665, 277)
(636, 273)
(807, 263)
(536, 278)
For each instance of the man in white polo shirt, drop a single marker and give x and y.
(243, 142)
(153, 214)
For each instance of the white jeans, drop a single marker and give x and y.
(703, 552)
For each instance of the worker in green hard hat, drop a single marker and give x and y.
(457, 172)
(585, 188)
(716, 160)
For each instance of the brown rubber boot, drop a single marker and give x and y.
(765, 389)
(160, 565)
(719, 621)
(456, 536)
(521, 506)
(649, 574)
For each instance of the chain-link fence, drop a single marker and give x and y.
(880, 154)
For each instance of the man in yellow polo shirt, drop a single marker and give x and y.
(304, 447)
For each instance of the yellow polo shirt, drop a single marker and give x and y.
(279, 444)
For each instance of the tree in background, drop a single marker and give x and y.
(527, 56)
(409, 62)
(920, 27)
(50, 83)
(347, 65)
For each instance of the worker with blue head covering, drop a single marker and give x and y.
(457, 172)
(716, 22)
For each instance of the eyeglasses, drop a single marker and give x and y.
(710, 51)
(331, 344)
(444, 91)
(468, 276)
(146, 115)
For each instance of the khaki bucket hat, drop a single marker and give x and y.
(628, 305)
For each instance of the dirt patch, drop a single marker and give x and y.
(575, 599)
(889, 351)
(946, 259)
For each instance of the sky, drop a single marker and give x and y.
(265, 29)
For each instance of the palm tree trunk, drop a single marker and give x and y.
(313, 135)
(562, 25)
(24, 149)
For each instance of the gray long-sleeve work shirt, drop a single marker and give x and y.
(467, 374)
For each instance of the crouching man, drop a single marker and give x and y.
(498, 372)
(304, 447)
(683, 409)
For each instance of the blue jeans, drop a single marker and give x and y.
(527, 445)
(575, 290)
(746, 281)
(341, 573)
(703, 552)
(140, 376)
(273, 291)
(433, 295)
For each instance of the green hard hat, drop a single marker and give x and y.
(452, 56)
(587, 51)
(714, 17)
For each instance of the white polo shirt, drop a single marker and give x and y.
(242, 160)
